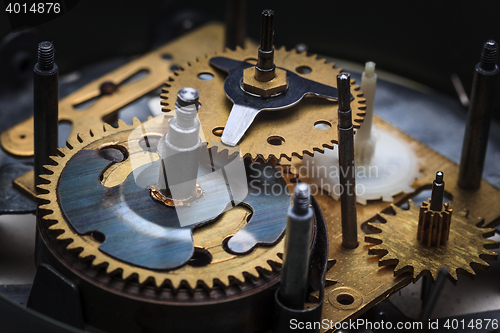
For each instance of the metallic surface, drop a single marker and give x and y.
(433, 295)
(483, 102)
(265, 68)
(105, 108)
(356, 273)
(292, 291)
(434, 225)
(318, 265)
(347, 168)
(266, 222)
(437, 192)
(246, 107)
(12, 201)
(397, 245)
(179, 149)
(276, 134)
(273, 87)
(45, 103)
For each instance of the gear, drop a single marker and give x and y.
(223, 266)
(398, 244)
(274, 134)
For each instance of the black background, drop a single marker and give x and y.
(426, 41)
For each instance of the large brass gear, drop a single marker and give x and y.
(224, 266)
(274, 134)
(398, 245)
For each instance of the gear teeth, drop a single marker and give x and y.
(121, 123)
(88, 249)
(98, 261)
(107, 127)
(71, 246)
(135, 121)
(394, 240)
(143, 279)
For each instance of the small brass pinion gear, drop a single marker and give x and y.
(223, 268)
(398, 245)
(273, 134)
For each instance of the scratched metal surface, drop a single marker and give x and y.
(145, 233)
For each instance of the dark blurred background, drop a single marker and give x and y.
(427, 41)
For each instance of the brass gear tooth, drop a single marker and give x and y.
(240, 277)
(135, 121)
(191, 281)
(107, 127)
(189, 276)
(71, 246)
(98, 261)
(467, 270)
(464, 251)
(253, 272)
(143, 278)
(453, 274)
(488, 255)
(487, 232)
(121, 123)
(44, 196)
(111, 267)
(254, 144)
(373, 238)
(176, 283)
(401, 268)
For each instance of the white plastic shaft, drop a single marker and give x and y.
(364, 138)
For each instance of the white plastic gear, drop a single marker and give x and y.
(393, 168)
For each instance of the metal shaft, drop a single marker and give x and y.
(437, 192)
(264, 71)
(346, 163)
(46, 107)
(432, 297)
(482, 103)
(235, 24)
(180, 147)
(294, 275)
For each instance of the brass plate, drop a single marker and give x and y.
(18, 140)
(356, 269)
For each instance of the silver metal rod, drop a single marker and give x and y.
(180, 148)
(294, 275)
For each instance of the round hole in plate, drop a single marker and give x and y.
(22, 136)
(322, 125)
(345, 299)
(201, 257)
(98, 236)
(174, 68)
(149, 142)
(205, 76)
(113, 153)
(166, 57)
(303, 69)
(275, 140)
(218, 131)
(252, 61)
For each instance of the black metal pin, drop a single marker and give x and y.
(482, 103)
(46, 107)
(264, 70)
(432, 296)
(346, 163)
(235, 24)
(437, 194)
